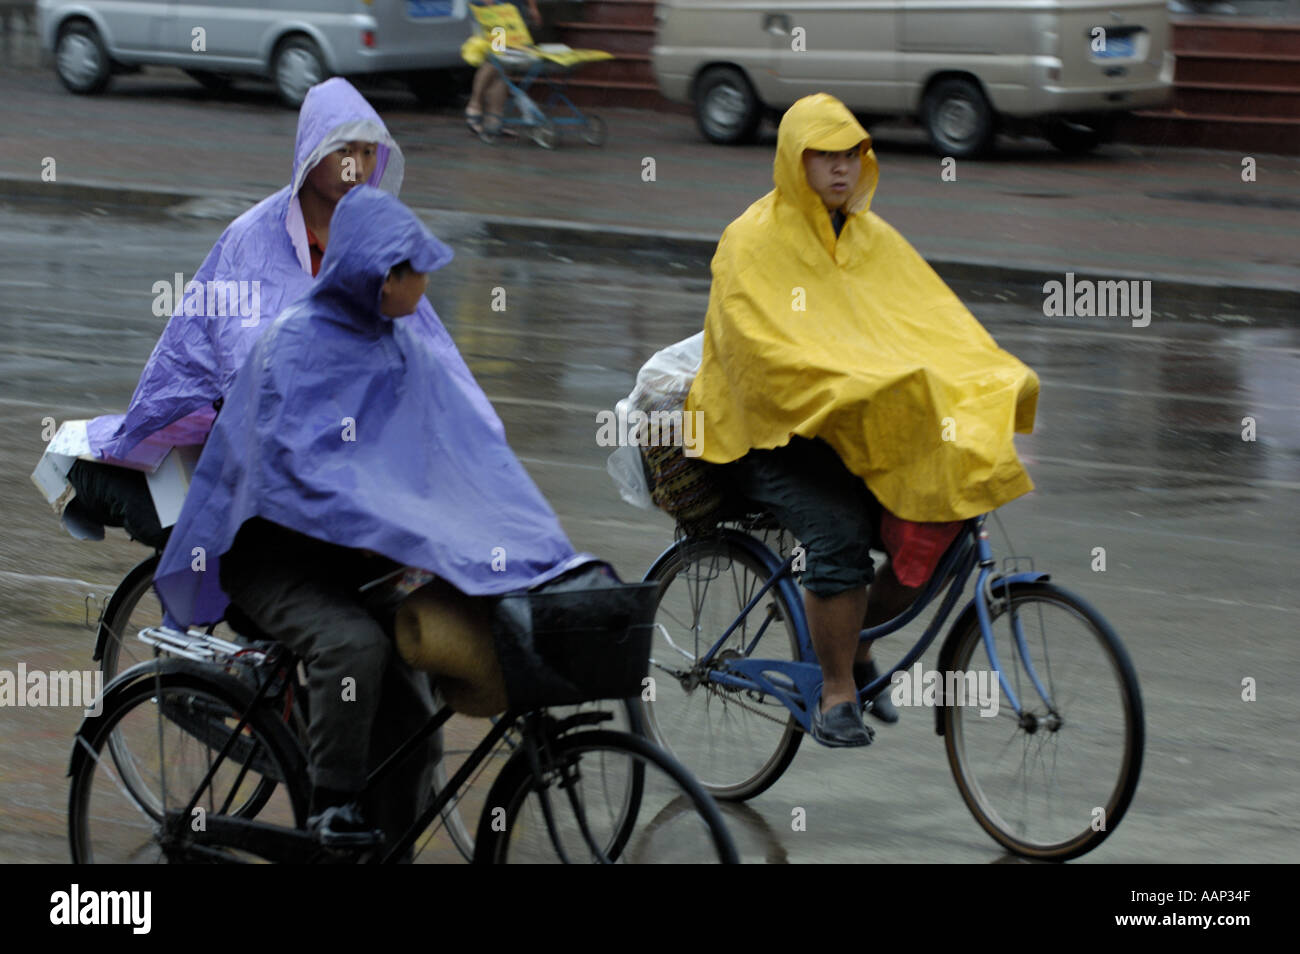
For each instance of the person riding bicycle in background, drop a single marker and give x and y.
(349, 446)
(341, 143)
(840, 374)
(488, 92)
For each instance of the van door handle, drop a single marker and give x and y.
(778, 24)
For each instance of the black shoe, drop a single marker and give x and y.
(841, 727)
(882, 707)
(342, 826)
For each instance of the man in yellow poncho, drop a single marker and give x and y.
(840, 374)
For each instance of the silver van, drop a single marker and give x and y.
(294, 43)
(964, 68)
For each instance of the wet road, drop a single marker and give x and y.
(1138, 450)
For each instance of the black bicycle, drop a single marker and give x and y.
(195, 758)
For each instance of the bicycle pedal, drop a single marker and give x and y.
(350, 840)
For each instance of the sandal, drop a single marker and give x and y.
(494, 127)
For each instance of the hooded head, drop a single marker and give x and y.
(333, 114)
(370, 233)
(821, 122)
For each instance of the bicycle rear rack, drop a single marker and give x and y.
(198, 646)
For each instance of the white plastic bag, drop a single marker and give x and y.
(624, 465)
(668, 374)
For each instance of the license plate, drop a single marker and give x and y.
(1116, 47)
(415, 9)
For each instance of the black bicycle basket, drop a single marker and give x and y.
(581, 638)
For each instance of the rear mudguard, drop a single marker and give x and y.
(757, 549)
(145, 568)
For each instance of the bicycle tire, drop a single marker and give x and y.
(679, 718)
(116, 628)
(461, 733)
(1091, 788)
(512, 828)
(203, 703)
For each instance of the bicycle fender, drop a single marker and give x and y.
(147, 670)
(965, 618)
(145, 568)
(757, 549)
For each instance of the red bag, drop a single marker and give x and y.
(915, 548)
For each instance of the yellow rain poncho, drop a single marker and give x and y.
(857, 341)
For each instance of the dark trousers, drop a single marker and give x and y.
(364, 700)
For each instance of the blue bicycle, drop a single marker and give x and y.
(1048, 772)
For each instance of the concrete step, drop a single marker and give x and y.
(602, 95)
(611, 37)
(1250, 69)
(1235, 99)
(628, 67)
(1254, 37)
(1208, 131)
(624, 12)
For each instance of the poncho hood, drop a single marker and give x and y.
(199, 352)
(363, 432)
(855, 340)
(820, 122)
(360, 255)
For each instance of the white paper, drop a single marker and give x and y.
(171, 481)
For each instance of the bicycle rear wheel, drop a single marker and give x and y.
(1053, 782)
(613, 798)
(171, 725)
(736, 743)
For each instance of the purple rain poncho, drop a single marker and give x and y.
(198, 354)
(351, 428)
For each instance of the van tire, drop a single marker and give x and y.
(297, 65)
(958, 117)
(215, 82)
(726, 108)
(1078, 138)
(80, 59)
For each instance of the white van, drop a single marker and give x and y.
(294, 43)
(964, 68)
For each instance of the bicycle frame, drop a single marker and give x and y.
(296, 846)
(969, 552)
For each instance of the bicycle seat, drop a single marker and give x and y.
(243, 624)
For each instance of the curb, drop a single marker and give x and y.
(694, 246)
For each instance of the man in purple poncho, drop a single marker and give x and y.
(349, 446)
(274, 249)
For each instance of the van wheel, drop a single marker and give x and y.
(959, 119)
(1078, 138)
(296, 67)
(211, 81)
(81, 60)
(726, 108)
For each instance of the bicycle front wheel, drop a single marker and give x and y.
(736, 742)
(138, 764)
(610, 797)
(1054, 780)
(460, 736)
